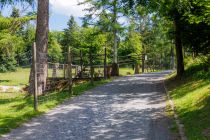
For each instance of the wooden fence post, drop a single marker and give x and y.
(143, 58)
(76, 71)
(70, 70)
(35, 78)
(91, 66)
(64, 71)
(105, 63)
(81, 63)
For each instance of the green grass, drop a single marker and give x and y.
(191, 96)
(16, 108)
(170, 114)
(126, 71)
(21, 76)
(17, 78)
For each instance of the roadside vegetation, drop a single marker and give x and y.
(191, 96)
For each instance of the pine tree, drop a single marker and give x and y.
(109, 11)
(70, 34)
(15, 13)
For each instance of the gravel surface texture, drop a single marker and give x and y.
(129, 108)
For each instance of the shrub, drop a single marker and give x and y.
(198, 67)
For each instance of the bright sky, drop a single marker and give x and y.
(60, 12)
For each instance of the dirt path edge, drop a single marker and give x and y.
(180, 126)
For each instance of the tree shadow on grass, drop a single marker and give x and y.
(4, 81)
(196, 121)
(193, 112)
(10, 122)
(185, 86)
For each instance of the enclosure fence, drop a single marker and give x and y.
(75, 67)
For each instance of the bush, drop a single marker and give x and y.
(198, 67)
(7, 64)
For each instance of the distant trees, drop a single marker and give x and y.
(82, 38)
(15, 13)
(71, 36)
(55, 49)
(132, 45)
(109, 12)
(12, 42)
(103, 14)
(190, 23)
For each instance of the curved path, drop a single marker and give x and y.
(129, 108)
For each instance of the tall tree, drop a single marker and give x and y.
(15, 13)
(42, 30)
(132, 46)
(71, 35)
(112, 10)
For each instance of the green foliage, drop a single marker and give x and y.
(13, 41)
(90, 37)
(13, 24)
(134, 42)
(190, 17)
(9, 44)
(132, 45)
(15, 13)
(71, 34)
(105, 16)
(82, 39)
(198, 67)
(54, 49)
(197, 11)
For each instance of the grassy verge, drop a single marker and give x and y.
(191, 96)
(170, 114)
(126, 71)
(17, 109)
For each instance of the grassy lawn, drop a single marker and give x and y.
(21, 76)
(16, 108)
(126, 71)
(17, 78)
(191, 96)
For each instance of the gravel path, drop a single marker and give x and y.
(129, 108)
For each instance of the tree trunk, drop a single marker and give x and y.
(179, 53)
(115, 69)
(172, 65)
(137, 69)
(42, 45)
